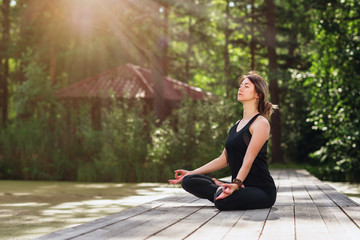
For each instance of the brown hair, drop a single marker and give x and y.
(264, 107)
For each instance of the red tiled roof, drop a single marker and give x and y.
(128, 81)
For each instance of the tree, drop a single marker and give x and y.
(274, 88)
(226, 49)
(4, 61)
(159, 70)
(294, 51)
(334, 82)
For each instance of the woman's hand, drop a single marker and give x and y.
(217, 182)
(179, 175)
(228, 189)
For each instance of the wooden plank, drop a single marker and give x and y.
(305, 176)
(170, 217)
(111, 219)
(276, 174)
(301, 196)
(306, 191)
(305, 208)
(326, 195)
(284, 193)
(187, 225)
(144, 225)
(315, 216)
(249, 226)
(309, 223)
(319, 197)
(218, 226)
(354, 214)
(340, 199)
(339, 224)
(280, 224)
(102, 222)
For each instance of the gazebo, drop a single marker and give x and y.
(127, 82)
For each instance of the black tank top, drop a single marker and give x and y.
(236, 146)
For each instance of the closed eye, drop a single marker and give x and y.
(247, 85)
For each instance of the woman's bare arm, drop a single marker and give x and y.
(214, 165)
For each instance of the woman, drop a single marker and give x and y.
(252, 186)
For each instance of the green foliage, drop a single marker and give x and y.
(121, 145)
(30, 147)
(192, 136)
(127, 148)
(34, 96)
(318, 60)
(29, 152)
(334, 85)
(299, 137)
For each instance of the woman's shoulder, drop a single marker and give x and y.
(262, 119)
(260, 123)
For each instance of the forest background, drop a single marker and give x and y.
(307, 50)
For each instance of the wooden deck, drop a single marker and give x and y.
(306, 208)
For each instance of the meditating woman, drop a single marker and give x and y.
(252, 186)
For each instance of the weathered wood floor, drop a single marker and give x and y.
(306, 208)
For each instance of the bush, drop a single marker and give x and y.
(192, 136)
(52, 141)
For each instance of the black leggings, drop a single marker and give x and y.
(245, 198)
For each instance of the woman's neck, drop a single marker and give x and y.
(249, 111)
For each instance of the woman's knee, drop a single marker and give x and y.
(186, 182)
(221, 204)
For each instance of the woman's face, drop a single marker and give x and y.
(246, 91)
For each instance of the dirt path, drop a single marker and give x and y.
(29, 209)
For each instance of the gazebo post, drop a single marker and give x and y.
(96, 113)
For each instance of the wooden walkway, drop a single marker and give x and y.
(306, 208)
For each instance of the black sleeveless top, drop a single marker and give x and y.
(236, 146)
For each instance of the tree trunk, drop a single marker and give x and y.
(4, 62)
(188, 51)
(95, 113)
(252, 43)
(52, 60)
(166, 39)
(274, 88)
(226, 50)
(159, 69)
(290, 61)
